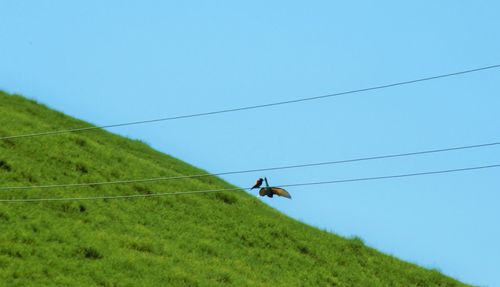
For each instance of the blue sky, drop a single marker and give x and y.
(110, 62)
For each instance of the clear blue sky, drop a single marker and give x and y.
(109, 62)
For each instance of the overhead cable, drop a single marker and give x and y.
(156, 179)
(81, 129)
(132, 196)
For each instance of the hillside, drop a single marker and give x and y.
(227, 238)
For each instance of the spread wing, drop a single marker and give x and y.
(281, 192)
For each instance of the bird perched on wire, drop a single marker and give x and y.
(258, 183)
(270, 191)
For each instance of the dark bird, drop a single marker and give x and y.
(270, 191)
(258, 183)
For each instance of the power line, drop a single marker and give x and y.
(55, 132)
(130, 196)
(155, 179)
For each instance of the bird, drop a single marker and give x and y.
(270, 191)
(258, 183)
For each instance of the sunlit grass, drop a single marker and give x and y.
(190, 240)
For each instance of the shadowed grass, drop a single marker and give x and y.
(219, 239)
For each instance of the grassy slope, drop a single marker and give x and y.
(195, 240)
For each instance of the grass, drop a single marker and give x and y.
(219, 239)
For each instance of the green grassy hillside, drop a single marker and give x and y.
(227, 238)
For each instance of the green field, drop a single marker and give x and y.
(213, 239)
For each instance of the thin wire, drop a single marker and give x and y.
(250, 107)
(396, 176)
(75, 185)
(131, 196)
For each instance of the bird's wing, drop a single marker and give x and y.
(281, 192)
(262, 191)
